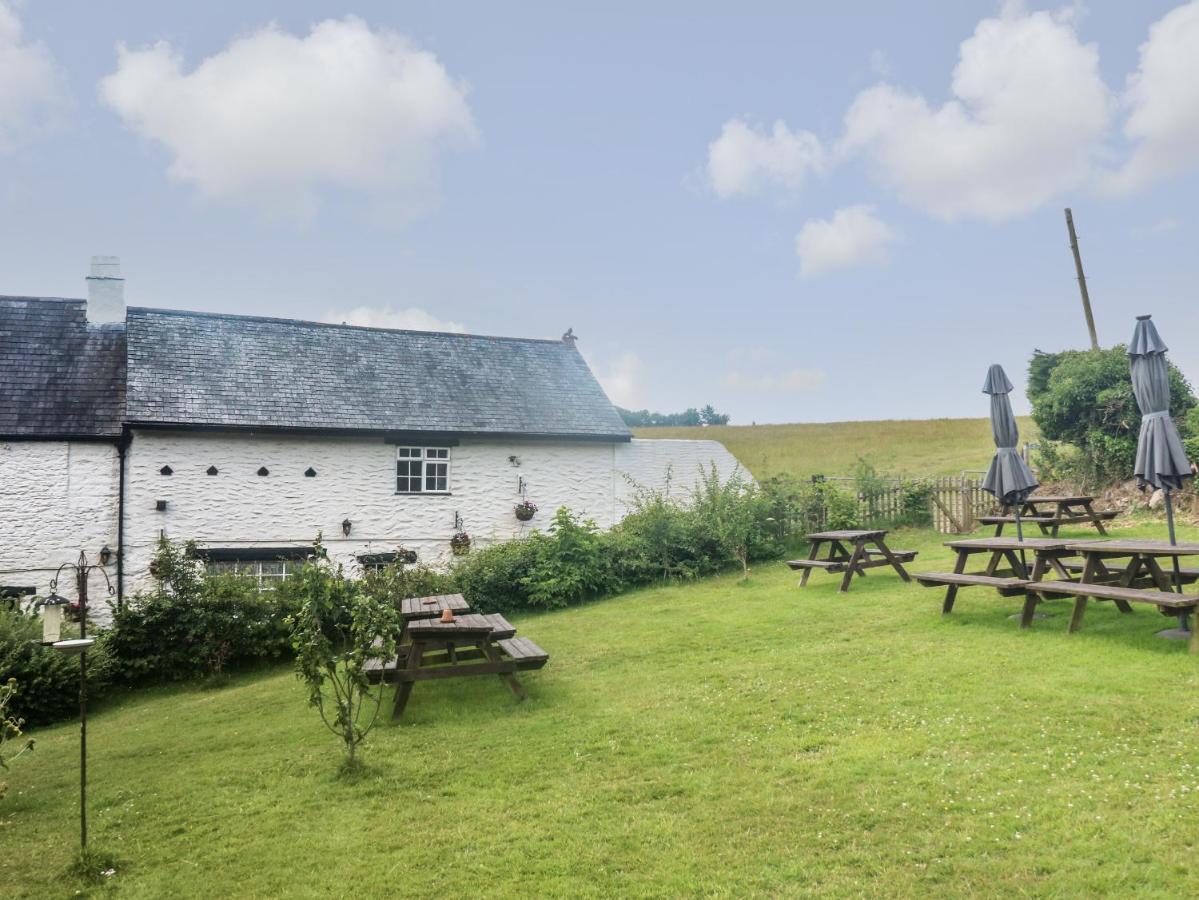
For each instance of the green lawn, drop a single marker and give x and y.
(905, 447)
(707, 738)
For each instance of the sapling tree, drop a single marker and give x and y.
(737, 513)
(339, 627)
(10, 731)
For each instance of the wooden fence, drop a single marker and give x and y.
(954, 504)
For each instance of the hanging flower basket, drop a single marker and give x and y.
(405, 556)
(525, 510)
(460, 543)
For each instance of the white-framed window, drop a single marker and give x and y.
(267, 572)
(422, 470)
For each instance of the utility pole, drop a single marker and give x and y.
(1082, 280)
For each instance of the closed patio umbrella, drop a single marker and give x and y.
(1161, 460)
(1009, 478)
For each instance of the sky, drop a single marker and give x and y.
(796, 212)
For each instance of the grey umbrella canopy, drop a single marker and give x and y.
(1161, 460)
(1009, 478)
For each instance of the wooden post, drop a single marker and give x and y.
(1082, 280)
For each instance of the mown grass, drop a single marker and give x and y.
(900, 447)
(710, 738)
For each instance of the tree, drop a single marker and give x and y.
(1085, 399)
(738, 514)
(338, 629)
(691, 416)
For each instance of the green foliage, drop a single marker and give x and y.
(1085, 399)
(568, 563)
(10, 731)
(735, 513)
(193, 624)
(397, 581)
(339, 627)
(690, 416)
(48, 680)
(493, 577)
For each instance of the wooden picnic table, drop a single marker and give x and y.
(1048, 553)
(869, 551)
(1101, 580)
(1049, 512)
(469, 644)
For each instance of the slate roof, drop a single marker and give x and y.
(206, 369)
(58, 375)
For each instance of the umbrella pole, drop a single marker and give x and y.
(1182, 617)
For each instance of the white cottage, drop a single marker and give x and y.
(250, 435)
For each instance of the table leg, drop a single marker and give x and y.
(1014, 561)
(404, 688)
(951, 593)
(1031, 600)
(852, 566)
(890, 557)
(813, 553)
(488, 650)
(1089, 507)
(1080, 607)
(1062, 572)
(993, 564)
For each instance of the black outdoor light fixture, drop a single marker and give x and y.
(346, 525)
(105, 555)
(50, 625)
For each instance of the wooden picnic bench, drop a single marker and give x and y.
(1047, 552)
(869, 551)
(469, 644)
(1066, 509)
(1100, 581)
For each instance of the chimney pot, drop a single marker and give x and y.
(105, 291)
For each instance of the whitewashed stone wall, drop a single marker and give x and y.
(56, 498)
(355, 480)
(59, 497)
(645, 463)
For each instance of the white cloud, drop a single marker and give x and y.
(274, 118)
(32, 87)
(1028, 112)
(853, 237)
(622, 380)
(1163, 102)
(411, 319)
(745, 159)
(792, 381)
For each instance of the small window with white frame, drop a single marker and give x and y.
(267, 573)
(422, 470)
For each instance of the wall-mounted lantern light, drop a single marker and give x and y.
(346, 525)
(105, 555)
(515, 460)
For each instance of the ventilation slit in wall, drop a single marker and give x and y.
(212, 470)
(166, 470)
(264, 471)
(310, 472)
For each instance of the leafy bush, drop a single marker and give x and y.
(338, 628)
(193, 624)
(734, 514)
(47, 679)
(11, 736)
(1085, 399)
(492, 578)
(568, 563)
(397, 581)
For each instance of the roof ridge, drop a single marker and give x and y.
(48, 299)
(188, 313)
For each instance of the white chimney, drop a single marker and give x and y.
(105, 291)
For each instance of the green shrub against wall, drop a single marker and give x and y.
(47, 679)
(194, 625)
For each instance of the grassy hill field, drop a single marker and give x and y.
(917, 447)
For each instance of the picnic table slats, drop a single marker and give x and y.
(1008, 587)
